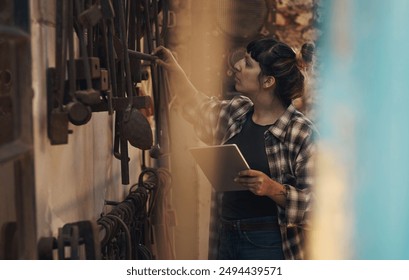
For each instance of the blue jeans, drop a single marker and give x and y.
(237, 244)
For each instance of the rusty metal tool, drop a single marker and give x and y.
(142, 56)
(78, 112)
(89, 95)
(57, 115)
(68, 236)
(120, 143)
(107, 27)
(136, 128)
(81, 233)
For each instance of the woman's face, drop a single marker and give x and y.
(247, 75)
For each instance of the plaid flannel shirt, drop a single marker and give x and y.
(289, 147)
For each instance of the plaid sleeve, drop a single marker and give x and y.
(299, 196)
(203, 116)
(297, 209)
(211, 117)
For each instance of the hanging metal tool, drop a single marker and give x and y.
(136, 128)
(108, 15)
(155, 33)
(114, 37)
(88, 95)
(78, 112)
(70, 101)
(57, 115)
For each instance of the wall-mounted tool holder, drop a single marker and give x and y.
(123, 232)
(106, 73)
(78, 86)
(72, 240)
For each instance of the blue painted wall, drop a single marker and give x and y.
(364, 117)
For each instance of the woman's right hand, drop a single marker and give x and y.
(166, 59)
(179, 82)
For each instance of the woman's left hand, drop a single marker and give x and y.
(256, 181)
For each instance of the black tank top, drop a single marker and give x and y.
(245, 204)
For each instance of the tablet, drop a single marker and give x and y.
(220, 164)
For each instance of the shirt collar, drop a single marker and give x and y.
(278, 129)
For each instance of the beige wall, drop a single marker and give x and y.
(72, 180)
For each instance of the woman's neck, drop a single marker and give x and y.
(267, 110)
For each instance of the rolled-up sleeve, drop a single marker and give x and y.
(299, 197)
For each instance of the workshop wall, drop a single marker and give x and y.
(72, 180)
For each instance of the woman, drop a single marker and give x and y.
(268, 220)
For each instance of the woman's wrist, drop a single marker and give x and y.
(278, 193)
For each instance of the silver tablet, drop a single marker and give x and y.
(220, 164)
